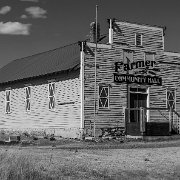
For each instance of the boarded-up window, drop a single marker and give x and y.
(171, 98)
(51, 88)
(103, 97)
(138, 39)
(28, 98)
(8, 101)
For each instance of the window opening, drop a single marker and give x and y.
(28, 98)
(8, 101)
(51, 88)
(103, 97)
(138, 39)
(171, 98)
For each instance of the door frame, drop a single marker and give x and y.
(147, 101)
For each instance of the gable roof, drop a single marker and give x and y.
(56, 60)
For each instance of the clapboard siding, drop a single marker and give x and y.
(152, 36)
(117, 93)
(170, 72)
(106, 58)
(66, 114)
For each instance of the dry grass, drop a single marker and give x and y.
(50, 164)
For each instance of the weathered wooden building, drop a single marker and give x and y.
(126, 79)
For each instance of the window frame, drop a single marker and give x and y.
(9, 101)
(141, 39)
(107, 97)
(28, 98)
(167, 101)
(50, 107)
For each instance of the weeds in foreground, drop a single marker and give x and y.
(15, 165)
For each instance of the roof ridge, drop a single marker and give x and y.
(57, 59)
(51, 50)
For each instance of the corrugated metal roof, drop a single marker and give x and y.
(57, 60)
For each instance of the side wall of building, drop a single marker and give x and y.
(63, 121)
(169, 65)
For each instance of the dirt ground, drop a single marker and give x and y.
(115, 164)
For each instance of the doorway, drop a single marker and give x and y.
(137, 99)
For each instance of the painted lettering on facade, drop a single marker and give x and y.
(119, 66)
(138, 79)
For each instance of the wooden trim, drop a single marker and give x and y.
(148, 104)
(100, 46)
(163, 39)
(82, 85)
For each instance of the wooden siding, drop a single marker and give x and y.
(152, 37)
(112, 116)
(170, 72)
(106, 58)
(66, 114)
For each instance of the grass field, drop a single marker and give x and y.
(32, 163)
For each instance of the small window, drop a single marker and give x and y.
(138, 39)
(28, 98)
(51, 96)
(103, 97)
(8, 101)
(171, 98)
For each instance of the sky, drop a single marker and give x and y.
(29, 27)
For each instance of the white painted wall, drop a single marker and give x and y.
(65, 117)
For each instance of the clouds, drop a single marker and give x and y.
(14, 28)
(18, 28)
(5, 10)
(35, 12)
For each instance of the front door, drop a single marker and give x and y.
(137, 100)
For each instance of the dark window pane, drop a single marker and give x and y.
(171, 95)
(28, 92)
(103, 92)
(7, 95)
(8, 107)
(27, 105)
(51, 89)
(171, 104)
(51, 102)
(103, 102)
